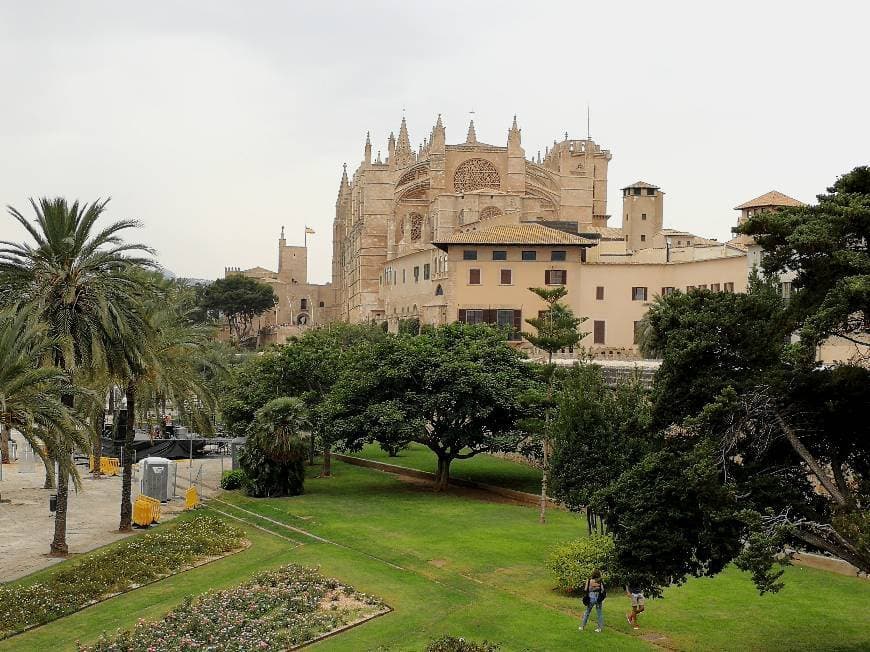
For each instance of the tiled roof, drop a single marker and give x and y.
(640, 184)
(606, 232)
(519, 234)
(772, 198)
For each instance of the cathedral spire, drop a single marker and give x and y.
(437, 142)
(344, 181)
(514, 137)
(368, 149)
(472, 136)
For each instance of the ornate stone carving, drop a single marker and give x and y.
(474, 174)
(416, 226)
(489, 212)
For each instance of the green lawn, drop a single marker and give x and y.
(480, 468)
(452, 565)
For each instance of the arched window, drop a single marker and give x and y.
(439, 291)
(321, 304)
(475, 173)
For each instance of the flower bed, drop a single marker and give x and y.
(275, 610)
(115, 569)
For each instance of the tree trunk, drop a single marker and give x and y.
(59, 547)
(807, 457)
(49, 473)
(4, 440)
(99, 425)
(126, 524)
(544, 471)
(442, 476)
(545, 467)
(327, 460)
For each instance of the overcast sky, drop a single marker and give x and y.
(214, 122)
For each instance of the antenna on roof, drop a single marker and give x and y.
(588, 131)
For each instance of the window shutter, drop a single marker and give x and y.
(547, 277)
(489, 316)
(462, 315)
(598, 336)
(564, 274)
(518, 320)
(582, 254)
(599, 293)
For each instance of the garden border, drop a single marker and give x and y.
(203, 562)
(343, 628)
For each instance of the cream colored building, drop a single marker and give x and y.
(460, 232)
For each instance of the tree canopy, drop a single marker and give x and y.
(240, 299)
(826, 247)
(456, 389)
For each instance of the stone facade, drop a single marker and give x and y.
(300, 305)
(406, 228)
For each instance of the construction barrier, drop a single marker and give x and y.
(191, 498)
(146, 510)
(108, 465)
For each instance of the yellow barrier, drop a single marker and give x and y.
(141, 513)
(154, 504)
(108, 465)
(191, 498)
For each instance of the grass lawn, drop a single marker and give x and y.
(447, 564)
(480, 468)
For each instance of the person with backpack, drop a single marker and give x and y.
(594, 593)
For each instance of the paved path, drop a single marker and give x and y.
(27, 526)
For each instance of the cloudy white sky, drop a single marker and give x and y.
(216, 122)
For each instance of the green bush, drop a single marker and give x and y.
(454, 644)
(572, 563)
(233, 479)
(273, 458)
(136, 560)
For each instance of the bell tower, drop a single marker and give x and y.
(642, 214)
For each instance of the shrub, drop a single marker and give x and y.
(273, 458)
(117, 568)
(454, 644)
(233, 479)
(572, 563)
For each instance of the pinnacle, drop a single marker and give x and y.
(472, 136)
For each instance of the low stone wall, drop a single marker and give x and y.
(518, 496)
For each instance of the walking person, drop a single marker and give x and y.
(594, 593)
(638, 603)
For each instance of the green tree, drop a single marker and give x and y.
(731, 337)
(456, 389)
(826, 246)
(556, 328)
(29, 391)
(307, 366)
(78, 280)
(167, 363)
(240, 299)
(274, 454)
(599, 433)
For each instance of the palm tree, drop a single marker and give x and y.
(169, 365)
(78, 279)
(29, 391)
